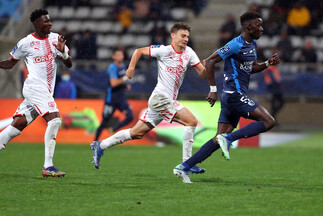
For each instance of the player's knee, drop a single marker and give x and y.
(56, 122)
(270, 123)
(193, 122)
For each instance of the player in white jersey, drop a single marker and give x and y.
(173, 61)
(39, 50)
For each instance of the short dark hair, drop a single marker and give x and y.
(250, 15)
(37, 13)
(179, 25)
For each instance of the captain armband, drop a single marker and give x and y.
(213, 89)
(267, 63)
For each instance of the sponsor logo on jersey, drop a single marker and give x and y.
(35, 44)
(225, 49)
(45, 58)
(155, 46)
(246, 66)
(179, 69)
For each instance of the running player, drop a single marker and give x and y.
(39, 50)
(172, 64)
(116, 97)
(240, 61)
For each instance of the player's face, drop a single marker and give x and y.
(118, 56)
(256, 28)
(43, 24)
(180, 38)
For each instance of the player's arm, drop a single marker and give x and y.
(8, 64)
(60, 46)
(116, 82)
(200, 69)
(273, 60)
(134, 60)
(209, 66)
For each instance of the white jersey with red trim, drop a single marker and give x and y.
(39, 55)
(172, 66)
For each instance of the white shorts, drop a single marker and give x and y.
(160, 107)
(38, 101)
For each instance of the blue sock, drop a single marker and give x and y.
(205, 151)
(250, 130)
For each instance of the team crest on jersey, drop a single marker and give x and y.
(225, 49)
(51, 104)
(35, 44)
(155, 46)
(185, 57)
(171, 55)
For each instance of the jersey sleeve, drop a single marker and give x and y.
(231, 48)
(113, 72)
(18, 52)
(157, 51)
(194, 60)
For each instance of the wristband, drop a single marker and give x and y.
(65, 55)
(267, 63)
(125, 78)
(213, 89)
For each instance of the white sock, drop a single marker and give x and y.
(50, 140)
(116, 139)
(8, 134)
(188, 136)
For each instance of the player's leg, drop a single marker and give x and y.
(264, 122)
(108, 111)
(23, 116)
(137, 132)
(186, 118)
(53, 124)
(127, 111)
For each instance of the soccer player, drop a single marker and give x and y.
(116, 97)
(162, 104)
(240, 62)
(39, 51)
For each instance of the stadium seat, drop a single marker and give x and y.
(111, 41)
(82, 12)
(53, 11)
(58, 25)
(142, 41)
(99, 13)
(126, 40)
(104, 26)
(104, 53)
(297, 41)
(179, 14)
(73, 25)
(66, 12)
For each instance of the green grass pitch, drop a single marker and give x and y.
(132, 180)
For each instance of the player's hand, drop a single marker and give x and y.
(211, 98)
(60, 46)
(274, 59)
(130, 72)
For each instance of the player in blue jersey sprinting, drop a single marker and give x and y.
(240, 62)
(116, 94)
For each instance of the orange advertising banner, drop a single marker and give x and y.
(80, 119)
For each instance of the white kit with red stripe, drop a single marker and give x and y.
(172, 66)
(39, 55)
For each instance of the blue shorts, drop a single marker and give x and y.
(234, 106)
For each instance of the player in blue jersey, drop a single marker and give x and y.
(240, 62)
(115, 96)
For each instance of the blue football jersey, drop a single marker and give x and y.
(116, 72)
(239, 57)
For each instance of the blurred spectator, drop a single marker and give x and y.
(285, 47)
(159, 34)
(125, 18)
(298, 19)
(141, 10)
(157, 10)
(255, 7)
(66, 87)
(273, 82)
(86, 46)
(308, 54)
(227, 30)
